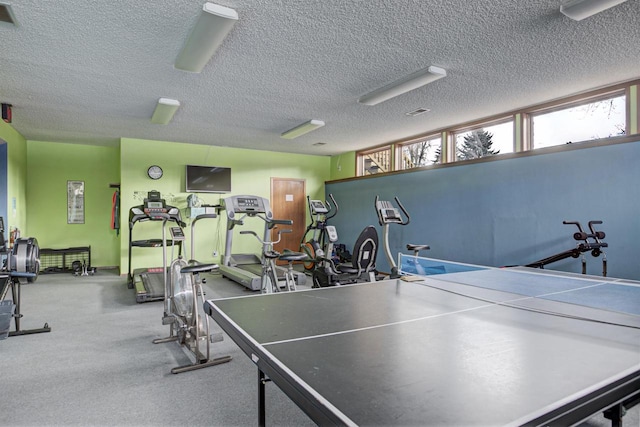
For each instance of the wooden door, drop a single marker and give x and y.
(289, 201)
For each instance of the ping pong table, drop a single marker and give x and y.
(461, 345)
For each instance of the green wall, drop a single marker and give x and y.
(343, 166)
(38, 172)
(16, 179)
(51, 165)
(252, 171)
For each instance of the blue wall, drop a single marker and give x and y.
(510, 211)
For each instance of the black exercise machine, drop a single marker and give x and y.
(323, 235)
(148, 282)
(588, 242)
(21, 262)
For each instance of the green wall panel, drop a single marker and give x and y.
(343, 166)
(50, 166)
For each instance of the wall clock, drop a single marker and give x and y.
(154, 172)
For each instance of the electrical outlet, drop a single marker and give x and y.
(215, 253)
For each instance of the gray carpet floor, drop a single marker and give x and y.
(98, 366)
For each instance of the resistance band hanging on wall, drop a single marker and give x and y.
(115, 211)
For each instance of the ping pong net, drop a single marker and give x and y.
(581, 297)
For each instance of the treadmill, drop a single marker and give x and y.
(246, 269)
(149, 282)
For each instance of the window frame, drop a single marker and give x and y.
(360, 158)
(400, 146)
(574, 102)
(522, 129)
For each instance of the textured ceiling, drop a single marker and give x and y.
(90, 72)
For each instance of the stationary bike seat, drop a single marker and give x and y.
(288, 255)
(198, 268)
(271, 254)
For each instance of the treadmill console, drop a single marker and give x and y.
(153, 208)
(154, 204)
(250, 205)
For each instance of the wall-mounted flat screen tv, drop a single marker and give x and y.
(208, 179)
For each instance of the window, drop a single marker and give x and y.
(602, 118)
(373, 162)
(601, 114)
(420, 153)
(484, 141)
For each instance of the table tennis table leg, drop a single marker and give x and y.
(615, 414)
(262, 380)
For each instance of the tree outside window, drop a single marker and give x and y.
(604, 118)
(422, 153)
(485, 141)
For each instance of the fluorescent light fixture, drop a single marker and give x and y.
(165, 110)
(213, 25)
(302, 129)
(6, 14)
(409, 83)
(581, 9)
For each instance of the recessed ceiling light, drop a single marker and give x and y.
(418, 112)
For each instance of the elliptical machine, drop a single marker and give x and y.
(323, 236)
(184, 297)
(389, 214)
(361, 267)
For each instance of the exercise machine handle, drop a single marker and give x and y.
(597, 235)
(274, 222)
(265, 243)
(309, 204)
(332, 211)
(406, 214)
(281, 221)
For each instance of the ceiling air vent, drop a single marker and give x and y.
(418, 112)
(6, 14)
(319, 143)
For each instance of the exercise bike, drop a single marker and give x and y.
(389, 214)
(323, 235)
(184, 297)
(270, 282)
